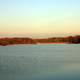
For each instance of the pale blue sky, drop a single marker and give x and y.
(39, 18)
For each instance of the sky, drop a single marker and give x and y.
(39, 18)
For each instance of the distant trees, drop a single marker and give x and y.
(10, 41)
(69, 39)
(73, 39)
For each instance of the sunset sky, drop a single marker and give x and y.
(39, 18)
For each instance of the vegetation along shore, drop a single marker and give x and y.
(54, 40)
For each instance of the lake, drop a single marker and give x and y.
(40, 62)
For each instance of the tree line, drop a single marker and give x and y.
(68, 40)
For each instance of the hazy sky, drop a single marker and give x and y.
(39, 18)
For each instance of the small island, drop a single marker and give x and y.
(54, 40)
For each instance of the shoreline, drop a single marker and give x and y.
(27, 40)
(53, 43)
(36, 44)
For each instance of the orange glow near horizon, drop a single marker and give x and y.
(45, 17)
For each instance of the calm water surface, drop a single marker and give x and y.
(40, 62)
